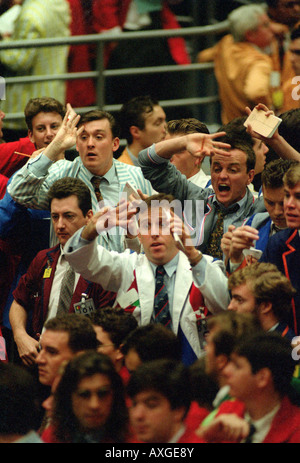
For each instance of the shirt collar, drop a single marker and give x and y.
(132, 156)
(109, 176)
(170, 267)
(241, 203)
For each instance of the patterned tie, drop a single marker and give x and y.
(96, 183)
(161, 300)
(66, 291)
(214, 243)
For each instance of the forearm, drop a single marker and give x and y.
(27, 184)
(283, 149)
(18, 320)
(210, 277)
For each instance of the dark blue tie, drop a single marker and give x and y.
(161, 300)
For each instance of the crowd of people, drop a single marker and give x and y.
(144, 297)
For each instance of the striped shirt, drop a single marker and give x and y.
(31, 183)
(38, 19)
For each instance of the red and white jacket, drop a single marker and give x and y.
(198, 291)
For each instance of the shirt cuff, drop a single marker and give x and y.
(154, 157)
(40, 165)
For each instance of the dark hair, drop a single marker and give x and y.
(236, 130)
(18, 400)
(230, 327)
(289, 128)
(186, 126)
(272, 3)
(45, 105)
(295, 33)
(82, 335)
(68, 186)
(270, 350)
(242, 144)
(96, 115)
(167, 377)
(116, 322)
(81, 366)
(153, 341)
(272, 175)
(133, 112)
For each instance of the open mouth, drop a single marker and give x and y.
(223, 187)
(91, 154)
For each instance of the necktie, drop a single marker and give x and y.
(66, 291)
(214, 242)
(161, 300)
(249, 438)
(96, 184)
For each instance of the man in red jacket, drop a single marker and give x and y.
(37, 297)
(259, 375)
(43, 117)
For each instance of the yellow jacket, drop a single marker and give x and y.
(243, 75)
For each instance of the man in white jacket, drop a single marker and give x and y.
(196, 286)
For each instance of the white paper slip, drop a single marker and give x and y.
(262, 124)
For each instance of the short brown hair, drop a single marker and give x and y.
(42, 105)
(186, 126)
(267, 284)
(68, 186)
(96, 115)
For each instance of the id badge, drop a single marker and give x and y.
(85, 307)
(47, 272)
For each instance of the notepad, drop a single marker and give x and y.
(262, 124)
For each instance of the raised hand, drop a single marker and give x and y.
(200, 145)
(66, 136)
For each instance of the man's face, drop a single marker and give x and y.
(106, 346)
(183, 161)
(263, 35)
(240, 378)
(67, 217)
(242, 299)
(96, 146)
(92, 402)
(260, 149)
(273, 199)
(152, 418)
(229, 176)
(155, 236)
(286, 12)
(154, 129)
(292, 206)
(295, 55)
(44, 128)
(54, 351)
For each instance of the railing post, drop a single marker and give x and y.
(100, 83)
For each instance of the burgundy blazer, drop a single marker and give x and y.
(33, 290)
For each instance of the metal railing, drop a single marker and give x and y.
(101, 74)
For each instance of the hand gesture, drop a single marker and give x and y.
(200, 145)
